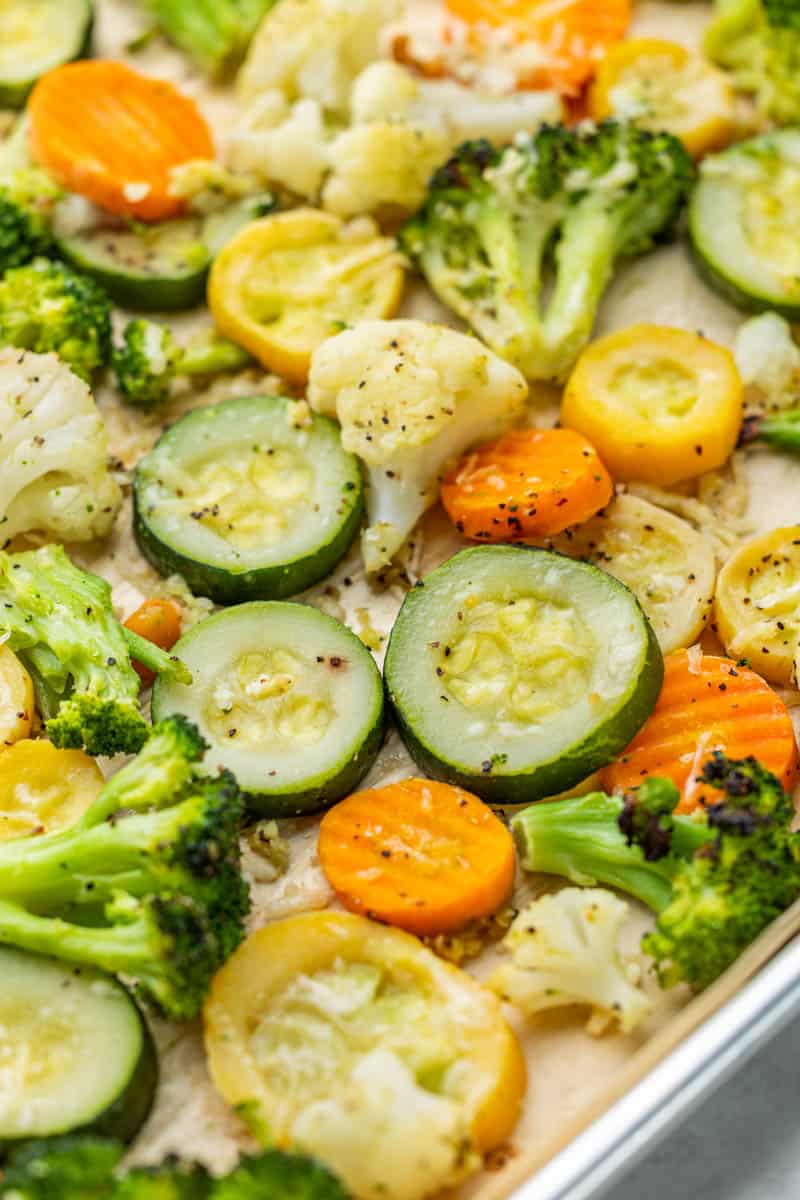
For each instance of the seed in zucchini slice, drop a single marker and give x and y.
(35, 37)
(75, 1053)
(516, 672)
(243, 504)
(287, 698)
(743, 220)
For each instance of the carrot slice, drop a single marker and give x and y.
(573, 34)
(160, 622)
(424, 856)
(113, 135)
(529, 483)
(707, 704)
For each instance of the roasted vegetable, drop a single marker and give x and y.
(759, 42)
(483, 237)
(215, 33)
(150, 359)
(146, 883)
(46, 306)
(54, 467)
(715, 879)
(58, 619)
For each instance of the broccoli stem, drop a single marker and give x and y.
(161, 662)
(580, 839)
(126, 948)
(781, 430)
(211, 356)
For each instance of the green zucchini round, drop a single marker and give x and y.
(743, 218)
(245, 505)
(92, 1063)
(287, 698)
(36, 37)
(517, 672)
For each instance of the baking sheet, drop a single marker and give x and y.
(572, 1077)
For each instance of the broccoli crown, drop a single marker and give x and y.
(145, 363)
(728, 891)
(214, 34)
(46, 306)
(154, 862)
(59, 620)
(26, 201)
(82, 1168)
(485, 235)
(759, 42)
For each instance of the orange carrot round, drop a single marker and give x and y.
(160, 622)
(113, 135)
(527, 484)
(424, 856)
(573, 34)
(707, 704)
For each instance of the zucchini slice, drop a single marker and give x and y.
(161, 267)
(75, 1053)
(743, 220)
(35, 37)
(287, 698)
(245, 505)
(516, 672)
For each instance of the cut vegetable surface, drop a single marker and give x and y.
(244, 504)
(707, 704)
(113, 135)
(572, 35)
(287, 282)
(425, 856)
(42, 789)
(38, 35)
(661, 405)
(402, 1073)
(755, 607)
(75, 1051)
(665, 562)
(529, 483)
(288, 699)
(660, 85)
(742, 220)
(16, 699)
(516, 672)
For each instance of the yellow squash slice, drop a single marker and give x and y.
(43, 789)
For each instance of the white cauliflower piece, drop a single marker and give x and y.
(416, 1139)
(382, 165)
(410, 396)
(282, 142)
(565, 950)
(387, 91)
(54, 475)
(768, 359)
(314, 49)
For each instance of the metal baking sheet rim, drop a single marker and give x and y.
(717, 1048)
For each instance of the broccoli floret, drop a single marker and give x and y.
(215, 33)
(83, 1168)
(483, 237)
(59, 620)
(146, 883)
(64, 1168)
(149, 359)
(759, 42)
(27, 199)
(715, 878)
(46, 306)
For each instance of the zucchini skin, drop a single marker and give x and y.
(15, 95)
(140, 293)
(125, 1117)
(728, 290)
(557, 775)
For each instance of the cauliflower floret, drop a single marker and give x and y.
(409, 397)
(284, 143)
(382, 165)
(54, 475)
(314, 49)
(416, 1138)
(387, 91)
(565, 950)
(768, 360)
